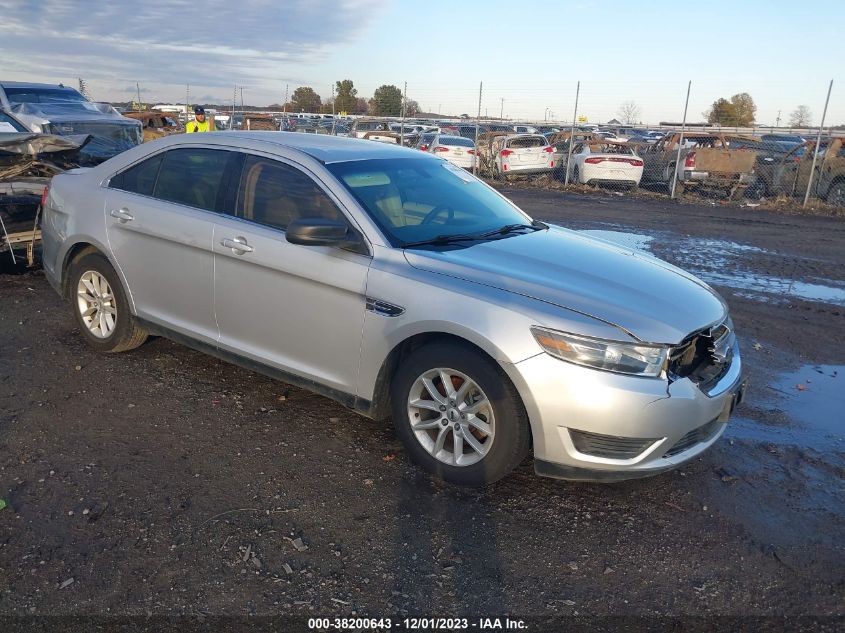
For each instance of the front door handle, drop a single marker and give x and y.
(237, 244)
(122, 214)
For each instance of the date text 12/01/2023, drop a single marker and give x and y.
(417, 624)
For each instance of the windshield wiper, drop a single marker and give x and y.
(475, 237)
(446, 239)
(513, 228)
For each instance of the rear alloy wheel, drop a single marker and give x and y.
(458, 415)
(100, 306)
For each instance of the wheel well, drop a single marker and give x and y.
(75, 252)
(380, 407)
(839, 180)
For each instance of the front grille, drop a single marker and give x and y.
(609, 446)
(696, 436)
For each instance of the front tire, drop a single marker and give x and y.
(100, 306)
(458, 415)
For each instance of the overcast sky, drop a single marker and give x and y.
(529, 54)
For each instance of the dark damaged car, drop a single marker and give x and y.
(60, 110)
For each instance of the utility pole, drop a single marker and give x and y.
(777, 120)
(502, 110)
(285, 104)
(333, 112)
(138, 90)
(242, 97)
(187, 98)
(475, 158)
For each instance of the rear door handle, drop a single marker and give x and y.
(237, 244)
(122, 214)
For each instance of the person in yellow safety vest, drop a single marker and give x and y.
(199, 124)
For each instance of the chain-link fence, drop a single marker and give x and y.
(722, 155)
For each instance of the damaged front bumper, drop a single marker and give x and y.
(599, 426)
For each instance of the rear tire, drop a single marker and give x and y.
(100, 306)
(486, 423)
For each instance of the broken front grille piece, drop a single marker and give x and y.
(704, 357)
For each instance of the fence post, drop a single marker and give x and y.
(680, 144)
(475, 160)
(571, 136)
(334, 132)
(402, 123)
(818, 143)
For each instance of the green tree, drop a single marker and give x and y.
(304, 99)
(739, 111)
(386, 101)
(745, 110)
(346, 97)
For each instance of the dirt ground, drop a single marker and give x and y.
(163, 482)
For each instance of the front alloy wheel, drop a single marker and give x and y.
(458, 414)
(451, 417)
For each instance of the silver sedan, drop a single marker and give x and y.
(403, 287)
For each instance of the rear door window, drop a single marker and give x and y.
(194, 177)
(275, 194)
(140, 178)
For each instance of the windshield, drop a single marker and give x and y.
(42, 95)
(418, 199)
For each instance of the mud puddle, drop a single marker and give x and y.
(806, 407)
(727, 264)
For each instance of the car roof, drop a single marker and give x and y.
(322, 147)
(29, 84)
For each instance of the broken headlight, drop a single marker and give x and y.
(637, 359)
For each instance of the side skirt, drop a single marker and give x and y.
(348, 400)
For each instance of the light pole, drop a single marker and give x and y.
(545, 115)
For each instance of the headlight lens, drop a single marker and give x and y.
(623, 358)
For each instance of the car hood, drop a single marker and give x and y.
(648, 298)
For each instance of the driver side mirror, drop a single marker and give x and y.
(318, 232)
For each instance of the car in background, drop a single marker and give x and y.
(424, 141)
(525, 129)
(402, 287)
(792, 139)
(60, 110)
(614, 164)
(560, 142)
(708, 161)
(363, 126)
(457, 150)
(611, 136)
(157, 124)
(522, 154)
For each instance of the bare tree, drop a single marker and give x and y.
(630, 112)
(801, 117)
